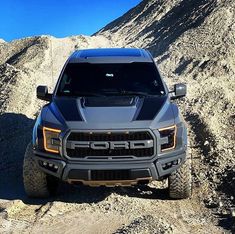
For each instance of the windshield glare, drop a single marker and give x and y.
(82, 79)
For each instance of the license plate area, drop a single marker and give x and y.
(110, 175)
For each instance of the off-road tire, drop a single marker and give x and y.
(37, 184)
(180, 181)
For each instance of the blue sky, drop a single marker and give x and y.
(61, 18)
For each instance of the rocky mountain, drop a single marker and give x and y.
(193, 42)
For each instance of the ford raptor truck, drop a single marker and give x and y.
(111, 121)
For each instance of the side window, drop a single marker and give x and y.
(65, 86)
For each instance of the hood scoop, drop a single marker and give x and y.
(109, 101)
(100, 110)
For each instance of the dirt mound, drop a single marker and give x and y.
(36, 60)
(156, 24)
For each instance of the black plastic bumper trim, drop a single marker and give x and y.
(131, 174)
(83, 170)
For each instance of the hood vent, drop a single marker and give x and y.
(109, 101)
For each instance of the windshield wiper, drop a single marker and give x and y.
(84, 94)
(129, 93)
(125, 93)
(136, 93)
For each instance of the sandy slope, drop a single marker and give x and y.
(197, 49)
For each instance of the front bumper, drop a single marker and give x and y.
(136, 171)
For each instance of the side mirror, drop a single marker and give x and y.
(180, 91)
(42, 93)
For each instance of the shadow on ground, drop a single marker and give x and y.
(85, 194)
(15, 134)
(226, 186)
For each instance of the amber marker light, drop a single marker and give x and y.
(51, 139)
(170, 133)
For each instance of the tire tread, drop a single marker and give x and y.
(180, 181)
(35, 180)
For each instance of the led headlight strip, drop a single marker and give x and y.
(51, 140)
(169, 133)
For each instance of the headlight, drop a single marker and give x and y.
(169, 135)
(51, 139)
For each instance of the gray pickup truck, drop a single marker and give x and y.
(110, 121)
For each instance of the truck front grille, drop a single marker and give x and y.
(106, 138)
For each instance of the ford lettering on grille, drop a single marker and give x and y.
(103, 145)
(110, 144)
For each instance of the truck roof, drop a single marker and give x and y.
(111, 55)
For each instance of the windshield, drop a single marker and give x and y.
(85, 79)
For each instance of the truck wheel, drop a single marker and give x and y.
(180, 181)
(37, 184)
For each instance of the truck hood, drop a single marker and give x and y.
(109, 109)
(110, 112)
